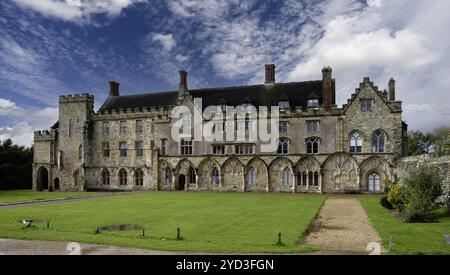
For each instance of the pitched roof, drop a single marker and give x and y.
(297, 93)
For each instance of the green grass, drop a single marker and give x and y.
(29, 195)
(209, 222)
(408, 238)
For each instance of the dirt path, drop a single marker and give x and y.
(62, 200)
(22, 247)
(342, 227)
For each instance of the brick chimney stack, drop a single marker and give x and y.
(391, 87)
(183, 83)
(114, 88)
(327, 87)
(270, 74)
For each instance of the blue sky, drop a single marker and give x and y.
(54, 47)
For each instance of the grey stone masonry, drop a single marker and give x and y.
(331, 149)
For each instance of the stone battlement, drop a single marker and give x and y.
(76, 98)
(44, 134)
(164, 112)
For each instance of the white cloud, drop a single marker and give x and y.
(24, 70)
(7, 107)
(181, 58)
(381, 39)
(374, 3)
(76, 10)
(21, 133)
(350, 50)
(19, 123)
(165, 40)
(380, 42)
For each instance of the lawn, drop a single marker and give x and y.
(408, 238)
(209, 222)
(29, 195)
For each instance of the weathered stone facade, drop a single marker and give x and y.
(71, 155)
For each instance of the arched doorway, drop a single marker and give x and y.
(56, 184)
(181, 182)
(373, 182)
(42, 183)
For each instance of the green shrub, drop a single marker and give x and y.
(397, 196)
(385, 203)
(423, 187)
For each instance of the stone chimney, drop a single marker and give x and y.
(391, 87)
(327, 87)
(183, 83)
(270, 74)
(114, 88)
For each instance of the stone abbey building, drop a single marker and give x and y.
(127, 144)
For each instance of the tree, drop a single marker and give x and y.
(423, 187)
(441, 140)
(15, 165)
(417, 144)
(436, 142)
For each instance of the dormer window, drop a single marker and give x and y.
(313, 102)
(283, 105)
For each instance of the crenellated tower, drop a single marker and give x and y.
(75, 132)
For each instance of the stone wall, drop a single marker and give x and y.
(71, 157)
(407, 165)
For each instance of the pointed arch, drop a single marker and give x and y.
(356, 141)
(183, 166)
(233, 175)
(42, 179)
(287, 177)
(123, 177)
(308, 174)
(185, 170)
(379, 141)
(260, 175)
(138, 177)
(165, 175)
(106, 177)
(209, 174)
(277, 167)
(340, 172)
(309, 163)
(377, 165)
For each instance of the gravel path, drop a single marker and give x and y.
(62, 200)
(22, 247)
(342, 227)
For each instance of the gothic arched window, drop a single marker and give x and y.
(139, 178)
(283, 146)
(287, 177)
(356, 142)
(215, 176)
(168, 176)
(106, 176)
(312, 145)
(192, 177)
(374, 183)
(123, 177)
(251, 176)
(378, 142)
